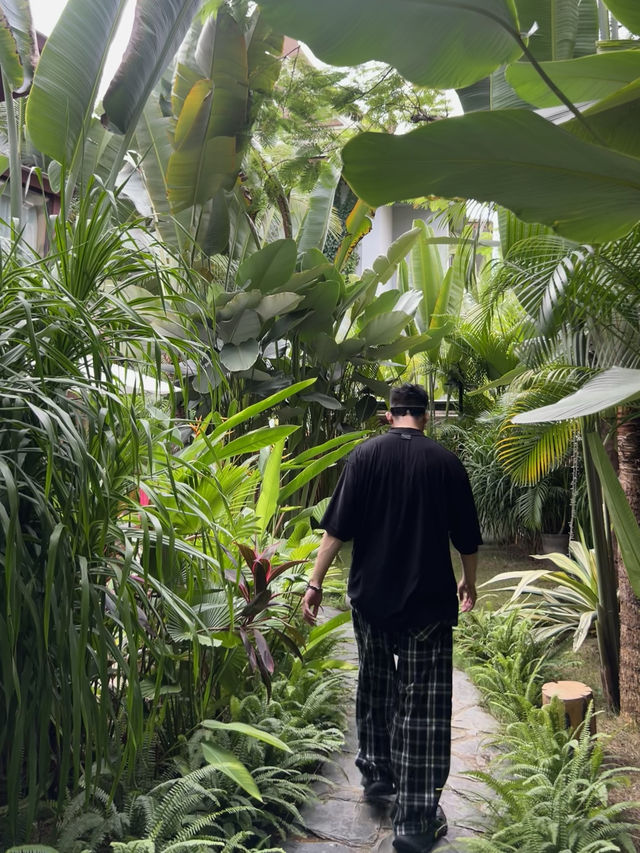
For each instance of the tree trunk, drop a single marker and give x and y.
(629, 474)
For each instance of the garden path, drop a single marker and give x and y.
(340, 820)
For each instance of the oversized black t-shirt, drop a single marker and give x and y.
(401, 497)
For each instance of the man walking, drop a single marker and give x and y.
(402, 497)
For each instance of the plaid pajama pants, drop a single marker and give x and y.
(403, 716)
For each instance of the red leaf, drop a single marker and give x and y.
(259, 571)
(248, 553)
(253, 661)
(264, 652)
(274, 571)
(268, 552)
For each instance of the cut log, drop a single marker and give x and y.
(575, 696)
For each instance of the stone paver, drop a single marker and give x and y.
(340, 820)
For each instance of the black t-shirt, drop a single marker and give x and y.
(401, 497)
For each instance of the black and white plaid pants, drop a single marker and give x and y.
(403, 715)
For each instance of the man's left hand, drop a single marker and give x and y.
(310, 605)
(467, 595)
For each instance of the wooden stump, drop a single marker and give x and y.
(575, 696)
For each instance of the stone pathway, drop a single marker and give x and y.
(342, 821)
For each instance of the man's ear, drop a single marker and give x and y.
(388, 417)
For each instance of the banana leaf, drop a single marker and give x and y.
(62, 99)
(513, 157)
(18, 45)
(158, 29)
(439, 43)
(627, 12)
(588, 78)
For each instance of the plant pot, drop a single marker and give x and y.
(555, 543)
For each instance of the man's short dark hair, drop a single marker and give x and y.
(408, 399)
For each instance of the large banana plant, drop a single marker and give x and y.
(570, 177)
(190, 159)
(63, 95)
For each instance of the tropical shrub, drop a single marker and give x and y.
(74, 586)
(547, 787)
(568, 603)
(549, 790)
(504, 659)
(236, 783)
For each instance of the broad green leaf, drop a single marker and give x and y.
(513, 157)
(265, 57)
(227, 763)
(244, 326)
(153, 142)
(624, 521)
(268, 499)
(186, 73)
(588, 78)
(18, 48)
(627, 12)
(157, 31)
(613, 387)
(313, 231)
(250, 731)
(269, 269)
(439, 43)
(277, 303)
(384, 266)
(257, 408)
(381, 304)
(326, 401)
(213, 114)
(588, 28)
(324, 347)
(615, 119)
(238, 357)
(425, 272)
(557, 26)
(230, 305)
(62, 98)
(254, 440)
(384, 328)
(513, 230)
(410, 344)
(212, 234)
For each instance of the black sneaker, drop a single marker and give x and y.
(425, 841)
(378, 789)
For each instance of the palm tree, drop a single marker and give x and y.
(583, 305)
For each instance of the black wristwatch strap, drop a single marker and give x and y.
(313, 587)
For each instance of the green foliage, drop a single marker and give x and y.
(74, 586)
(504, 659)
(549, 790)
(204, 806)
(567, 602)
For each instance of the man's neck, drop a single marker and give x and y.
(408, 422)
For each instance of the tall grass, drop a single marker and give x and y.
(74, 587)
